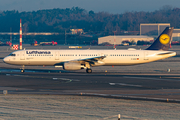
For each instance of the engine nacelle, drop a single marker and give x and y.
(72, 66)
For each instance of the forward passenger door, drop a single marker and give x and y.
(22, 55)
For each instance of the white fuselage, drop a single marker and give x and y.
(113, 57)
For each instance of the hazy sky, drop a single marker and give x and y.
(111, 6)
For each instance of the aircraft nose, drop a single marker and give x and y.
(5, 59)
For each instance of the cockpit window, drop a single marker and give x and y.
(12, 54)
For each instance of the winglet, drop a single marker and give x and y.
(163, 41)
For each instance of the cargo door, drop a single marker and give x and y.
(22, 55)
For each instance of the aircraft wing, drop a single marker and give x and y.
(91, 60)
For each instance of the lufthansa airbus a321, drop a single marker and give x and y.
(85, 59)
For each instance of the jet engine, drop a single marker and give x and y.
(72, 66)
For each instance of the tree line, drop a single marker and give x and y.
(59, 20)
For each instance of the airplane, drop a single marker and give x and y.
(85, 59)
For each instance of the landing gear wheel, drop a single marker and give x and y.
(22, 71)
(89, 70)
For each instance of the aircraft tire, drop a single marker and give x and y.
(22, 71)
(89, 70)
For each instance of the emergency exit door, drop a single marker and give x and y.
(22, 55)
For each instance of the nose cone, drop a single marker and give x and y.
(5, 60)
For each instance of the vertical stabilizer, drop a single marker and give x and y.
(163, 40)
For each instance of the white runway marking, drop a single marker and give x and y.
(161, 79)
(65, 79)
(124, 84)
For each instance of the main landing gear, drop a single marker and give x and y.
(88, 67)
(89, 70)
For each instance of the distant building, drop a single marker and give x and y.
(76, 31)
(176, 35)
(152, 29)
(119, 39)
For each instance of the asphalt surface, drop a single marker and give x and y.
(154, 87)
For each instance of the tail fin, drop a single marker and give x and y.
(163, 41)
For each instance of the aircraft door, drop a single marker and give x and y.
(22, 55)
(146, 55)
(56, 55)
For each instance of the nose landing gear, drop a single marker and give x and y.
(22, 69)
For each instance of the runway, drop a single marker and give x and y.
(154, 87)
